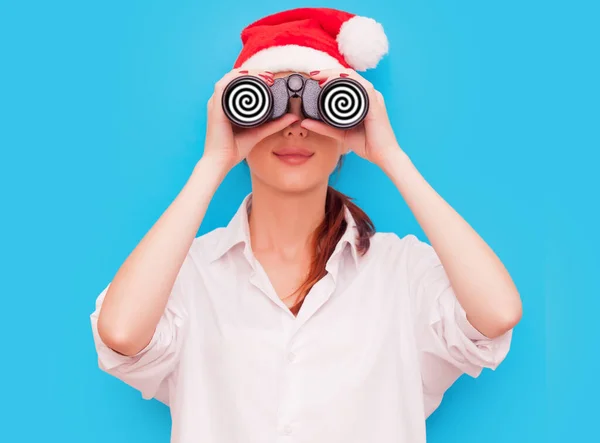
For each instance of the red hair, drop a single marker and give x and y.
(328, 234)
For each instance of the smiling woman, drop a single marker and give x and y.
(296, 161)
(298, 318)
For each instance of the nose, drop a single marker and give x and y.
(295, 129)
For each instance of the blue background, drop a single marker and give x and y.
(102, 117)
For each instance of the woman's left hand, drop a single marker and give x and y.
(374, 138)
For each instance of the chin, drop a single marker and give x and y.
(292, 179)
(294, 184)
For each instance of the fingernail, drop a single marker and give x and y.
(266, 77)
(322, 81)
(243, 72)
(314, 72)
(343, 74)
(269, 72)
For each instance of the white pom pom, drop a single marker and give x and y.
(362, 42)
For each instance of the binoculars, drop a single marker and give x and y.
(248, 101)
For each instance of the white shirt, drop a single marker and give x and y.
(373, 349)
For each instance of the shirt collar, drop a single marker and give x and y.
(237, 232)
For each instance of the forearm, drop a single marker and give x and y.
(482, 284)
(139, 292)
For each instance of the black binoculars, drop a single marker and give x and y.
(248, 101)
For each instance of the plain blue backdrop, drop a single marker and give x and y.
(102, 117)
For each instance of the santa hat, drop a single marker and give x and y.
(308, 39)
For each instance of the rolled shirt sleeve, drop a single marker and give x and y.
(146, 370)
(448, 344)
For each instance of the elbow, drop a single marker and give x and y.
(514, 312)
(507, 320)
(517, 314)
(116, 338)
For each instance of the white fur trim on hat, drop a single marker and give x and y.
(291, 58)
(362, 42)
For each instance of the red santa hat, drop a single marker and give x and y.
(308, 39)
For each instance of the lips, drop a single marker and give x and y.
(293, 150)
(293, 155)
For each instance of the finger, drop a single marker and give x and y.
(326, 76)
(254, 135)
(323, 129)
(266, 76)
(360, 79)
(276, 125)
(326, 73)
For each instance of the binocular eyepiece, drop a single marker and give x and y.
(248, 101)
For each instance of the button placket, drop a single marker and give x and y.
(287, 430)
(288, 391)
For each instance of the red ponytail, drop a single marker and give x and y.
(327, 236)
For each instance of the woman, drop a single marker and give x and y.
(297, 322)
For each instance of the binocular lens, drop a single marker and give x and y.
(343, 103)
(247, 101)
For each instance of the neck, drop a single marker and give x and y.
(283, 222)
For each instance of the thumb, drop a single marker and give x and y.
(323, 129)
(255, 135)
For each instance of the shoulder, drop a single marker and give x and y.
(391, 244)
(208, 240)
(408, 251)
(201, 250)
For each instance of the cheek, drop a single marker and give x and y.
(258, 156)
(330, 157)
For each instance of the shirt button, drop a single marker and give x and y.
(287, 429)
(291, 357)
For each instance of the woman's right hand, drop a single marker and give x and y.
(227, 144)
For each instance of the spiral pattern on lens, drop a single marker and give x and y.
(343, 103)
(248, 101)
